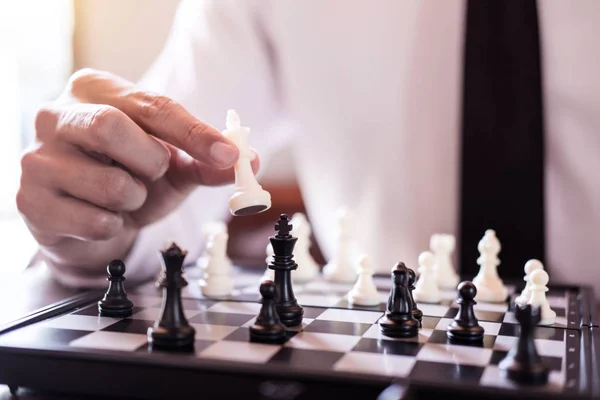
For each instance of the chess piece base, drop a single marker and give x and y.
(216, 289)
(367, 301)
(490, 294)
(522, 373)
(115, 308)
(164, 338)
(399, 329)
(465, 333)
(290, 315)
(273, 334)
(334, 273)
(249, 202)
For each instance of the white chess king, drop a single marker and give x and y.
(249, 197)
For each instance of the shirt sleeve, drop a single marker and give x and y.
(217, 57)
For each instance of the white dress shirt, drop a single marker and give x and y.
(369, 97)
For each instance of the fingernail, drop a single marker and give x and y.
(223, 154)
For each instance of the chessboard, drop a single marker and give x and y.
(338, 348)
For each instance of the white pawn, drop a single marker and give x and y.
(490, 287)
(427, 289)
(249, 197)
(210, 229)
(364, 292)
(539, 282)
(269, 273)
(308, 269)
(217, 281)
(530, 266)
(342, 267)
(442, 245)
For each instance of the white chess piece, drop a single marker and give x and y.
(249, 197)
(530, 266)
(269, 273)
(210, 229)
(364, 292)
(217, 281)
(427, 289)
(442, 245)
(342, 266)
(490, 287)
(308, 269)
(539, 281)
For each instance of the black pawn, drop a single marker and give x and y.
(290, 312)
(399, 320)
(412, 277)
(172, 331)
(268, 327)
(465, 326)
(523, 364)
(115, 302)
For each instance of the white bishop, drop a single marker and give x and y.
(490, 287)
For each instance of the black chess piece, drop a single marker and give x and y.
(115, 302)
(290, 312)
(268, 327)
(412, 277)
(523, 364)
(399, 320)
(465, 326)
(172, 330)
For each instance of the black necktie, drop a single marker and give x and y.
(502, 184)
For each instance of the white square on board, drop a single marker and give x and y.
(111, 341)
(79, 322)
(323, 341)
(231, 307)
(239, 351)
(453, 354)
(375, 364)
(365, 317)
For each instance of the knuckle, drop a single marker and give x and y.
(106, 126)
(116, 189)
(44, 122)
(29, 162)
(22, 201)
(79, 80)
(103, 226)
(195, 136)
(156, 106)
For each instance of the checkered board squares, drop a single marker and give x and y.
(322, 293)
(335, 341)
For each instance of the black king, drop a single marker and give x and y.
(290, 312)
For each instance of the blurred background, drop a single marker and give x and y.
(41, 44)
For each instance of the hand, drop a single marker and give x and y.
(108, 160)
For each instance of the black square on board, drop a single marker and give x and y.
(306, 359)
(339, 327)
(429, 371)
(242, 334)
(38, 336)
(384, 346)
(553, 363)
(129, 325)
(541, 332)
(218, 318)
(439, 336)
(313, 312)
